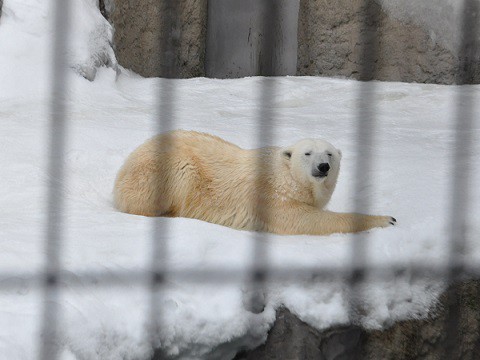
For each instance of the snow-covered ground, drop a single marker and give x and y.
(411, 179)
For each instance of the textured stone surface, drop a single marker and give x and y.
(292, 339)
(104, 9)
(160, 37)
(452, 331)
(331, 38)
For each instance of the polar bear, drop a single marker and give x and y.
(201, 176)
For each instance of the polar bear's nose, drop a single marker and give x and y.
(323, 167)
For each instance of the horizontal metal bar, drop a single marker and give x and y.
(222, 276)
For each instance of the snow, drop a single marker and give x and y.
(106, 119)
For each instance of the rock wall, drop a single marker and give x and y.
(330, 40)
(160, 37)
(430, 338)
(332, 36)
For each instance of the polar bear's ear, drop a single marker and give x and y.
(339, 153)
(287, 154)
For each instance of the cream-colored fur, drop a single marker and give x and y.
(197, 175)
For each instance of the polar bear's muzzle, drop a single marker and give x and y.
(320, 170)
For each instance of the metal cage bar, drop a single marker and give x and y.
(216, 275)
(165, 117)
(55, 207)
(265, 123)
(365, 131)
(460, 187)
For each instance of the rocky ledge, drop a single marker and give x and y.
(451, 331)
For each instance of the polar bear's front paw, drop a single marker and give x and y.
(387, 221)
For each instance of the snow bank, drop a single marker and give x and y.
(27, 36)
(108, 118)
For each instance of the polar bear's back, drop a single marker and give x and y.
(189, 174)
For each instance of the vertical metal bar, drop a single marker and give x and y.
(55, 206)
(365, 137)
(166, 118)
(468, 53)
(265, 122)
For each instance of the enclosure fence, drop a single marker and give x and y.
(54, 276)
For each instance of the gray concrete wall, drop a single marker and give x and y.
(251, 37)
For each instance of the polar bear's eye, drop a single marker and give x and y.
(330, 154)
(308, 153)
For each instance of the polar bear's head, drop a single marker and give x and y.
(313, 161)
